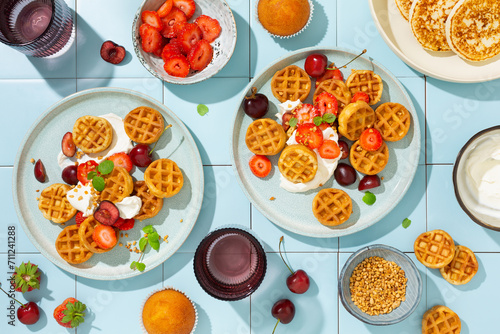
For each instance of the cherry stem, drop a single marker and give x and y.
(344, 66)
(168, 126)
(12, 297)
(254, 91)
(277, 322)
(279, 248)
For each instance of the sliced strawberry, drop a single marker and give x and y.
(177, 66)
(171, 49)
(143, 28)
(169, 21)
(152, 18)
(104, 236)
(330, 74)
(327, 103)
(210, 27)
(165, 8)
(305, 113)
(124, 224)
(371, 139)
(200, 55)
(122, 160)
(151, 39)
(329, 149)
(360, 96)
(187, 6)
(179, 27)
(189, 36)
(309, 135)
(260, 165)
(79, 218)
(67, 145)
(85, 168)
(158, 51)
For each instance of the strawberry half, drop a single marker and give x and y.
(151, 38)
(104, 236)
(124, 224)
(327, 103)
(175, 16)
(200, 55)
(210, 27)
(305, 113)
(189, 36)
(177, 66)
(330, 74)
(152, 18)
(70, 314)
(260, 165)
(165, 8)
(26, 277)
(187, 6)
(79, 218)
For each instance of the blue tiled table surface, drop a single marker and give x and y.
(449, 115)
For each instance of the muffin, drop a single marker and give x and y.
(284, 18)
(168, 311)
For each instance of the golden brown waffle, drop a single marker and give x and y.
(427, 22)
(85, 232)
(291, 83)
(338, 89)
(435, 249)
(441, 320)
(368, 162)
(92, 134)
(119, 184)
(393, 121)
(472, 29)
(151, 204)
(163, 178)
(367, 82)
(144, 125)
(355, 118)
(265, 137)
(404, 7)
(70, 247)
(462, 268)
(298, 163)
(54, 204)
(332, 206)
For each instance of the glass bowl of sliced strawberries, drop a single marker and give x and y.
(184, 41)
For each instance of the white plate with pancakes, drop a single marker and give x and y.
(447, 65)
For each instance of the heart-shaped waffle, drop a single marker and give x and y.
(265, 137)
(367, 82)
(298, 163)
(462, 268)
(54, 204)
(92, 134)
(441, 320)
(392, 121)
(119, 184)
(368, 162)
(332, 206)
(151, 204)
(85, 232)
(70, 247)
(355, 118)
(144, 125)
(163, 178)
(338, 89)
(291, 83)
(435, 249)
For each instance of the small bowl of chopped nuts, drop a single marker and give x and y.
(380, 285)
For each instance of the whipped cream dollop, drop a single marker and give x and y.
(286, 106)
(129, 207)
(81, 197)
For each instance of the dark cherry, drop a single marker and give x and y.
(69, 175)
(107, 213)
(40, 174)
(315, 65)
(112, 52)
(345, 174)
(369, 182)
(140, 155)
(255, 105)
(344, 148)
(298, 281)
(285, 119)
(28, 314)
(284, 311)
(68, 145)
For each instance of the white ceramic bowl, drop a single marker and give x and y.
(223, 45)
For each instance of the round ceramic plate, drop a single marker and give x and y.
(397, 34)
(43, 141)
(293, 211)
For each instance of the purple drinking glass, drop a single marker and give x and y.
(230, 264)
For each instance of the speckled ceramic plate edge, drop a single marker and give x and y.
(193, 210)
(281, 219)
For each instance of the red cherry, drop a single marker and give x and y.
(28, 314)
(315, 65)
(298, 282)
(284, 311)
(140, 155)
(40, 174)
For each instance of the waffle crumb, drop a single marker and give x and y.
(272, 198)
(122, 235)
(126, 235)
(382, 178)
(32, 160)
(63, 224)
(120, 244)
(130, 250)
(38, 190)
(165, 238)
(182, 220)
(134, 243)
(38, 198)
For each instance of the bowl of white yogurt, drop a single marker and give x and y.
(476, 178)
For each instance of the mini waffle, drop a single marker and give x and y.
(462, 268)
(163, 178)
(92, 134)
(338, 89)
(85, 232)
(144, 125)
(367, 82)
(441, 320)
(298, 163)
(435, 249)
(404, 7)
(119, 184)
(151, 204)
(54, 204)
(393, 121)
(368, 162)
(265, 137)
(355, 118)
(332, 206)
(70, 247)
(291, 83)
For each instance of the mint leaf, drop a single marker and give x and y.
(317, 120)
(98, 183)
(148, 229)
(105, 167)
(293, 122)
(154, 240)
(202, 109)
(142, 244)
(91, 175)
(132, 265)
(406, 223)
(140, 266)
(329, 118)
(369, 198)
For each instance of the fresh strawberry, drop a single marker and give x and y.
(329, 149)
(327, 104)
(309, 135)
(305, 113)
(165, 8)
(189, 36)
(371, 139)
(260, 165)
(124, 224)
(330, 74)
(209, 26)
(83, 169)
(177, 66)
(70, 314)
(175, 16)
(104, 236)
(187, 6)
(143, 28)
(151, 38)
(158, 51)
(152, 18)
(26, 277)
(79, 218)
(67, 145)
(200, 55)
(178, 28)
(121, 159)
(360, 96)
(171, 49)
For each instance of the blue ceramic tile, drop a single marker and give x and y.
(149, 86)
(214, 316)
(455, 112)
(315, 310)
(28, 99)
(445, 213)
(211, 132)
